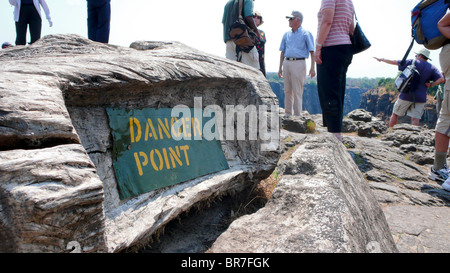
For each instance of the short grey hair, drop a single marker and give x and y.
(298, 15)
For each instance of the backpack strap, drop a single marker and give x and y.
(407, 52)
(240, 9)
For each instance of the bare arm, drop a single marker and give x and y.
(251, 24)
(312, 71)
(280, 70)
(324, 29)
(444, 25)
(439, 81)
(393, 62)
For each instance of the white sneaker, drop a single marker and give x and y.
(446, 185)
(439, 175)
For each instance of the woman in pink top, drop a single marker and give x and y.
(333, 57)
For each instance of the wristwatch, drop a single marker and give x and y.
(319, 45)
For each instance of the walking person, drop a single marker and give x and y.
(296, 46)
(439, 171)
(413, 102)
(99, 18)
(27, 13)
(334, 55)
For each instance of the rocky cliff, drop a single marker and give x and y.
(59, 191)
(380, 103)
(393, 165)
(58, 183)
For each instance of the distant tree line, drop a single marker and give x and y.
(363, 83)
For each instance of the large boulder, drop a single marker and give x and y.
(321, 204)
(58, 189)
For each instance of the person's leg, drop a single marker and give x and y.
(288, 88)
(103, 23)
(331, 81)
(394, 120)
(21, 33)
(21, 27)
(443, 140)
(439, 171)
(400, 109)
(416, 111)
(35, 25)
(298, 76)
(92, 22)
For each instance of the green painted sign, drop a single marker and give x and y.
(153, 150)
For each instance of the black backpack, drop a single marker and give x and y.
(241, 34)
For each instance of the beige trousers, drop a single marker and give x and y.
(294, 74)
(251, 58)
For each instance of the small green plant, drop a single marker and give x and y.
(310, 126)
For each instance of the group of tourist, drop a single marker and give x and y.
(332, 53)
(27, 14)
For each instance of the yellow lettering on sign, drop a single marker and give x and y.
(196, 127)
(152, 160)
(174, 132)
(165, 128)
(138, 161)
(165, 158)
(152, 128)
(185, 148)
(138, 125)
(175, 156)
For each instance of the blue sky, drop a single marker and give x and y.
(197, 23)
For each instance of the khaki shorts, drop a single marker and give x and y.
(443, 123)
(414, 110)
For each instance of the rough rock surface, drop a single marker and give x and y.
(396, 166)
(55, 141)
(321, 204)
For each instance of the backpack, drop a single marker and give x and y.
(241, 34)
(424, 19)
(405, 78)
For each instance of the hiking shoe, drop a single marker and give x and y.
(439, 175)
(446, 185)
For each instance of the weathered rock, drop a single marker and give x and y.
(396, 167)
(322, 204)
(49, 198)
(421, 229)
(363, 123)
(410, 134)
(54, 94)
(360, 115)
(296, 124)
